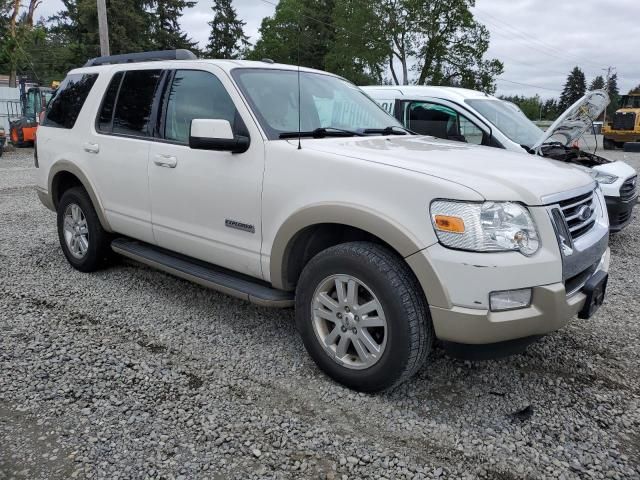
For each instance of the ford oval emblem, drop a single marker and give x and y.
(584, 213)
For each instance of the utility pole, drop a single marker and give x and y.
(103, 27)
(609, 71)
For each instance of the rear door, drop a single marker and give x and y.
(206, 204)
(118, 150)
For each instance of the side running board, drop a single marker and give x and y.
(205, 274)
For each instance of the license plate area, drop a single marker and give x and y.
(595, 290)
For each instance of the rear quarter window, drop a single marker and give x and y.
(65, 106)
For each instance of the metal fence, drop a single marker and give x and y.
(10, 106)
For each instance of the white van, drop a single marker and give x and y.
(475, 117)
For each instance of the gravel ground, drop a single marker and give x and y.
(131, 373)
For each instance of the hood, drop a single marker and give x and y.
(493, 173)
(576, 120)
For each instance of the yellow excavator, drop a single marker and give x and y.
(625, 125)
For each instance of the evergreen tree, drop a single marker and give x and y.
(635, 90)
(614, 95)
(598, 83)
(574, 88)
(130, 28)
(227, 38)
(167, 34)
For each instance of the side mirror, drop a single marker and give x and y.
(210, 134)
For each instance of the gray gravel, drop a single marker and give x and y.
(131, 373)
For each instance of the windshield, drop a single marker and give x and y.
(630, 101)
(508, 119)
(327, 102)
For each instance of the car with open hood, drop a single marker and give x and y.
(289, 187)
(475, 117)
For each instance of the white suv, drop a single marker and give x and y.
(383, 240)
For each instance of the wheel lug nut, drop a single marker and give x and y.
(357, 318)
(346, 309)
(339, 315)
(354, 330)
(344, 329)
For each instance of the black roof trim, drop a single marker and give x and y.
(142, 57)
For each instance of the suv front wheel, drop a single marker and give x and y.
(83, 240)
(362, 316)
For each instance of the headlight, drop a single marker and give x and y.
(485, 227)
(603, 177)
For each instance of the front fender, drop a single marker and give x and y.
(381, 226)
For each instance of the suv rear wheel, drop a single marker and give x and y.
(83, 240)
(362, 316)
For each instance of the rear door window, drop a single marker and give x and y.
(135, 102)
(67, 103)
(105, 117)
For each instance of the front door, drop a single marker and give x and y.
(206, 204)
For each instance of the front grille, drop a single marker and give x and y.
(623, 217)
(628, 188)
(579, 214)
(624, 121)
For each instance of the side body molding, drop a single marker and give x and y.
(66, 166)
(383, 227)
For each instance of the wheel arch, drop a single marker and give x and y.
(64, 175)
(311, 230)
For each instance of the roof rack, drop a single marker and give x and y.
(142, 57)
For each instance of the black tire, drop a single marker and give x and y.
(410, 333)
(608, 144)
(99, 250)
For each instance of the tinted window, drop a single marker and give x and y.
(195, 94)
(65, 106)
(439, 121)
(108, 103)
(135, 101)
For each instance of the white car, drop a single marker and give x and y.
(208, 170)
(475, 117)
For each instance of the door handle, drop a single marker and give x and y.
(91, 147)
(168, 161)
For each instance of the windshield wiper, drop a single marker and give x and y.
(391, 130)
(323, 132)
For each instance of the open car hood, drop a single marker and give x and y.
(576, 120)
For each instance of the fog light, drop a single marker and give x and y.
(510, 299)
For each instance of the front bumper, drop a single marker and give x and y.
(550, 310)
(474, 323)
(620, 211)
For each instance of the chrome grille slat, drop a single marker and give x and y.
(573, 217)
(573, 212)
(580, 202)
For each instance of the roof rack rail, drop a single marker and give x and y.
(142, 57)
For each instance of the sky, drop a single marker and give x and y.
(539, 41)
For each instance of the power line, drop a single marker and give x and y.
(551, 50)
(528, 85)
